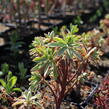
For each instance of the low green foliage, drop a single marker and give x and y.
(78, 20)
(106, 4)
(15, 44)
(9, 83)
(98, 14)
(4, 69)
(22, 70)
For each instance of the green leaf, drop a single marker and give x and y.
(73, 28)
(19, 102)
(50, 34)
(55, 29)
(34, 81)
(22, 69)
(59, 40)
(9, 75)
(34, 84)
(69, 52)
(56, 44)
(70, 40)
(46, 70)
(76, 54)
(5, 68)
(38, 95)
(29, 95)
(16, 90)
(55, 73)
(12, 81)
(3, 83)
(25, 93)
(61, 51)
(38, 66)
(39, 59)
(35, 77)
(37, 41)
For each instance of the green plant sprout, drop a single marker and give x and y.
(77, 20)
(4, 69)
(22, 70)
(15, 44)
(98, 14)
(106, 4)
(9, 83)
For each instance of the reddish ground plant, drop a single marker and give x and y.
(102, 95)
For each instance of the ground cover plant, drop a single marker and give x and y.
(102, 95)
(8, 86)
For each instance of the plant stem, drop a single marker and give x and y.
(50, 89)
(64, 70)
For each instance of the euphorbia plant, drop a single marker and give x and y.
(62, 58)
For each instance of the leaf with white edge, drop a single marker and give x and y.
(59, 40)
(76, 54)
(90, 52)
(46, 70)
(61, 51)
(39, 59)
(9, 75)
(35, 77)
(69, 53)
(29, 95)
(37, 96)
(38, 66)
